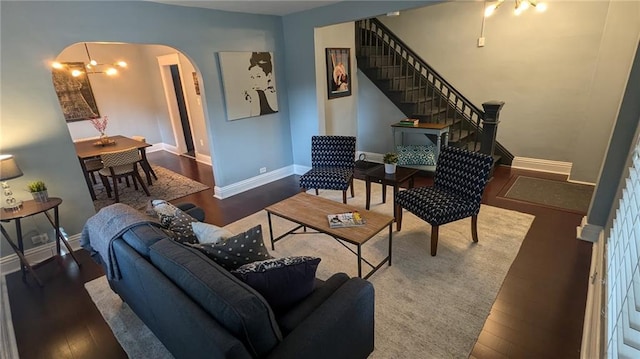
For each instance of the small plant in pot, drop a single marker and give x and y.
(390, 160)
(38, 190)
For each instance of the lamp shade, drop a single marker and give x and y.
(9, 168)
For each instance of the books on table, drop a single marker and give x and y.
(348, 219)
(409, 122)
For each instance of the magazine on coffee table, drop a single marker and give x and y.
(348, 219)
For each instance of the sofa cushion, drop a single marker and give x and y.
(290, 319)
(141, 237)
(238, 250)
(281, 281)
(235, 305)
(209, 233)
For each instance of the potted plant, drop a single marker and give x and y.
(38, 190)
(390, 160)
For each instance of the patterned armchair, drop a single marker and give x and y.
(332, 164)
(460, 179)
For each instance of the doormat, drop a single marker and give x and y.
(559, 194)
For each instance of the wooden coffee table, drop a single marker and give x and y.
(311, 211)
(377, 175)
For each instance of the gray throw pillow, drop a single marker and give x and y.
(238, 250)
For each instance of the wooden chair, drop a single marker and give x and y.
(332, 164)
(145, 165)
(121, 164)
(459, 181)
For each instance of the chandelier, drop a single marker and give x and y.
(520, 6)
(93, 67)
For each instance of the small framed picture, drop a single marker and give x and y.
(338, 72)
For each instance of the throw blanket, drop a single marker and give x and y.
(107, 225)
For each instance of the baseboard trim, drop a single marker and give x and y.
(204, 159)
(11, 263)
(250, 183)
(536, 164)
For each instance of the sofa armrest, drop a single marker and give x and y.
(341, 327)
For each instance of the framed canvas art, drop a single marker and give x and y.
(249, 82)
(74, 92)
(338, 72)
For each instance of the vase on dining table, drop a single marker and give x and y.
(104, 139)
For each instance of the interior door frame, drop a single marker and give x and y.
(164, 63)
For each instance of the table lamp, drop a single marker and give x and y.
(8, 170)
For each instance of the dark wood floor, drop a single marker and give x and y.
(538, 312)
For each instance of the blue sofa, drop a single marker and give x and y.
(200, 310)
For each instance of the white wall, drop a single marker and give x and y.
(337, 116)
(561, 72)
(125, 98)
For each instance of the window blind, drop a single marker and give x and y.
(623, 277)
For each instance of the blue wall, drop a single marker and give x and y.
(32, 124)
(300, 62)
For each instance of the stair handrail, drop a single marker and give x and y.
(392, 36)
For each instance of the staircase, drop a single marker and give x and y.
(418, 90)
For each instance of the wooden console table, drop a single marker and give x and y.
(28, 209)
(439, 130)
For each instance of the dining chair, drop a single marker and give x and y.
(145, 165)
(121, 164)
(459, 181)
(332, 164)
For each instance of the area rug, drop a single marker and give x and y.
(569, 196)
(426, 306)
(169, 186)
(137, 340)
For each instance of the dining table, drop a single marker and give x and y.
(93, 148)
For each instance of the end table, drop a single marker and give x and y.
(28, 209)
(378, 175)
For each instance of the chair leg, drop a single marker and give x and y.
(474, 228)
(93, 178)
(126, 179)
(344, 196)
(351, 185)
(317, 192)
(115, 189)
(144, 186)
(135, 184)
(107, 186)
(434, 240)
(398, 211)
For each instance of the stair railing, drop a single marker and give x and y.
(464, 116)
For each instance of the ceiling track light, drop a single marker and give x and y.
(520, 6)
(92, 67)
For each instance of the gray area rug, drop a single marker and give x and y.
(564, 195)
(169, 186)
(426, 307)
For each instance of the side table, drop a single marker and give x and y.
(378, 175)
(28, 209)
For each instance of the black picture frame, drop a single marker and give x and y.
(74, 92)
(338, 72)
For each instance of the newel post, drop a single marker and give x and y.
(490, 126)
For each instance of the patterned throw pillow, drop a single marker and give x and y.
(281, 281)
(416, 155)
(238, 250)
(175, 220)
